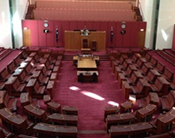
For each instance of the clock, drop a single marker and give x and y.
(46, 24)
(123, 26)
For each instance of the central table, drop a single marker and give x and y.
(86, 67)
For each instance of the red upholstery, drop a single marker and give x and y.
(4, 75)
(160, 67)
(42, 79)
(23, 77)
(18, 88)
(148, 56)
(141, 89)
(46, 72)
(161, 86)
(168, 74)
(153, 61)
(167, 101)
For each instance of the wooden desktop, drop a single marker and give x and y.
(86, 67)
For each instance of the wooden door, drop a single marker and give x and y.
(26, 37)
(141, 39)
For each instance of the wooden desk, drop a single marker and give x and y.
(45, 130)
(50, 87)
(111, 110)
(46, 98)
(164, 122)
(17, 123)
(76, 58)
(118, 119)
(86, 63)
(25, 99)
(73, 40)
(63, 119)
(145, 113)
(133, 129)
(35, 112)
(54, 107)
(84, 76)
(70, 110)
(126, 106)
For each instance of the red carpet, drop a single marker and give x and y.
(89, 98)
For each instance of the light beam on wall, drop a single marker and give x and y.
(93, 95)
(164, 34)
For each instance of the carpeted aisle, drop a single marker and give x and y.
(89, 98)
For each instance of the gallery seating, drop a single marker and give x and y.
(148, 56)
(42, 79)
(145, 68)
(45, 72)
(17, 87)
(136, 75)
(167, 101)
(35, 89)
(153, 61)
(160, 67)
(4, 75)
(151, 98)
(4, 53)
(161, 86)
(141, 89)
(23, 77)
(11, 67)
(168, 74)
(10, 102)
(164, 122)
(140, 62)
(145, 113)
(152, 76)
(29, 69)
